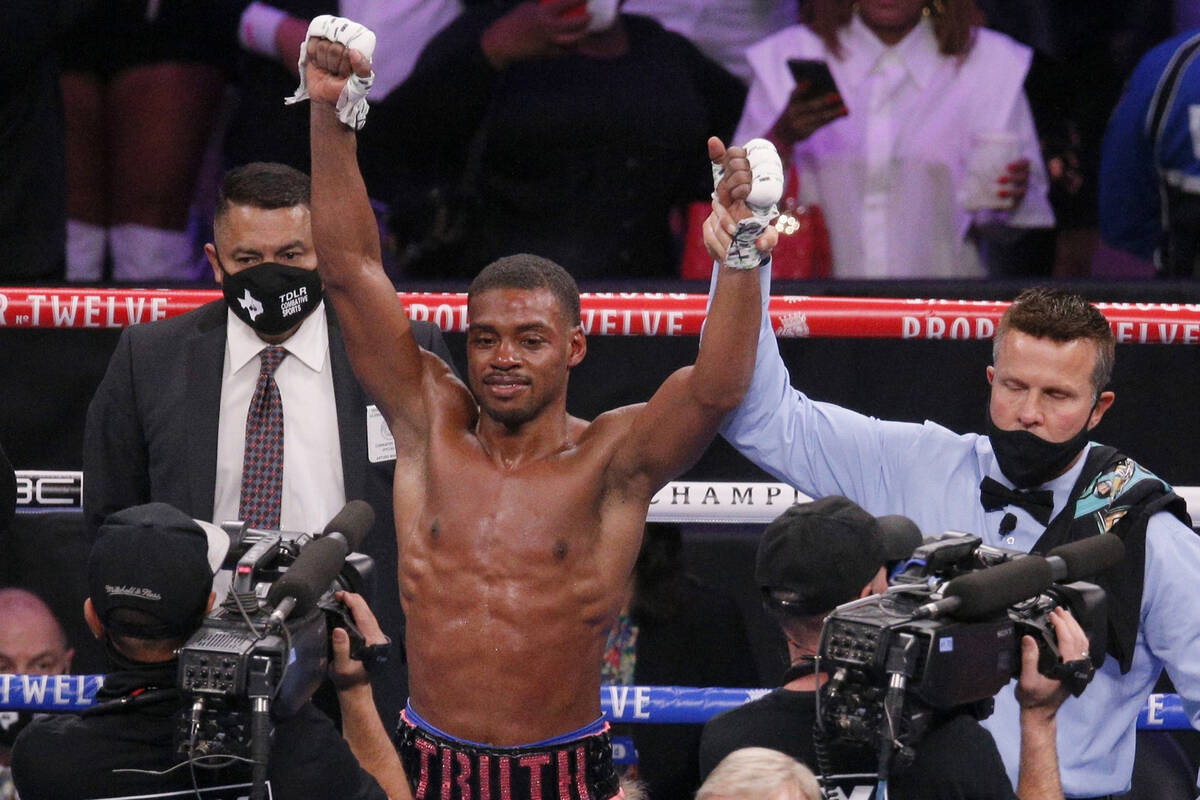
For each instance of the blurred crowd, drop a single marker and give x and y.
(958, 138)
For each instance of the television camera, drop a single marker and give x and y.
(264, 651)
(945, 638)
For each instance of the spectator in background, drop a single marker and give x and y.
(669, 617)
(1150, 172)
(261, 127)
(722, 29)
(143, 82)
(32, 642)
(888, 160)
(568, 143)
(1083, 54)
(757, 773)
(33, 173)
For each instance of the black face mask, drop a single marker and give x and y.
(1028, 460)
(272, 298)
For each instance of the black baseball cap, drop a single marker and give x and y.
(157, 560)
(827, 550)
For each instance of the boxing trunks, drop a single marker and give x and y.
(575, 766)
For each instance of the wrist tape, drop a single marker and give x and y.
(352, 103)
(766, 171)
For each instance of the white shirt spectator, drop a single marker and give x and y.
(888, 175)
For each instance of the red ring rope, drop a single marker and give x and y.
(630, 314)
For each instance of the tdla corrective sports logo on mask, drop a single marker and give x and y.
(270, 297)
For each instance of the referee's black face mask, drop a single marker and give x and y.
(1029, 460)
(271, 298)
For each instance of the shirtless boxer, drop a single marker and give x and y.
(518, 525)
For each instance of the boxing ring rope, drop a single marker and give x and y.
(604, 314)
(637, 704)
(630, 314)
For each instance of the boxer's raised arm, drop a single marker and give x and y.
(671, 431)
(379, 339)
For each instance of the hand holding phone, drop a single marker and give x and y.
(815, 101)
(813, 78)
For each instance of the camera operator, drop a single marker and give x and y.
(816, 556)
(149, 583)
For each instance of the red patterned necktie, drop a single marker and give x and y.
(262, 465)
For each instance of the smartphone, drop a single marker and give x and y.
(604, 12)
(816, 73)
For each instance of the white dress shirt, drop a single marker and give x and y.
(888, 175)
(313, 485)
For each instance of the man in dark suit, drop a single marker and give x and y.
(182, 397)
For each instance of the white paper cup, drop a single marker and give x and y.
(991, 153)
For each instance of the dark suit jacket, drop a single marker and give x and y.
(151, 435)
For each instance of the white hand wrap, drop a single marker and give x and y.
(766, 171)
(352, 103)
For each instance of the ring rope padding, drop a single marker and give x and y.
(637, 704)
(630, 314)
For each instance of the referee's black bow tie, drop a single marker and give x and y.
(995, 495)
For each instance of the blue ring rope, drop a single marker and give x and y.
(638, 704)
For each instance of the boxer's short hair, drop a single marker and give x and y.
(526, 271)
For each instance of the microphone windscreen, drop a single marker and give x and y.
(310, 574)
(986, 591)
(898, 536)
(1089, 556)
(353, 521)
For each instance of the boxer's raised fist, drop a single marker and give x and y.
(329, 65)
(335, 67)
(747, 184)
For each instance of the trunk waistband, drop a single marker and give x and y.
(443, 767)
